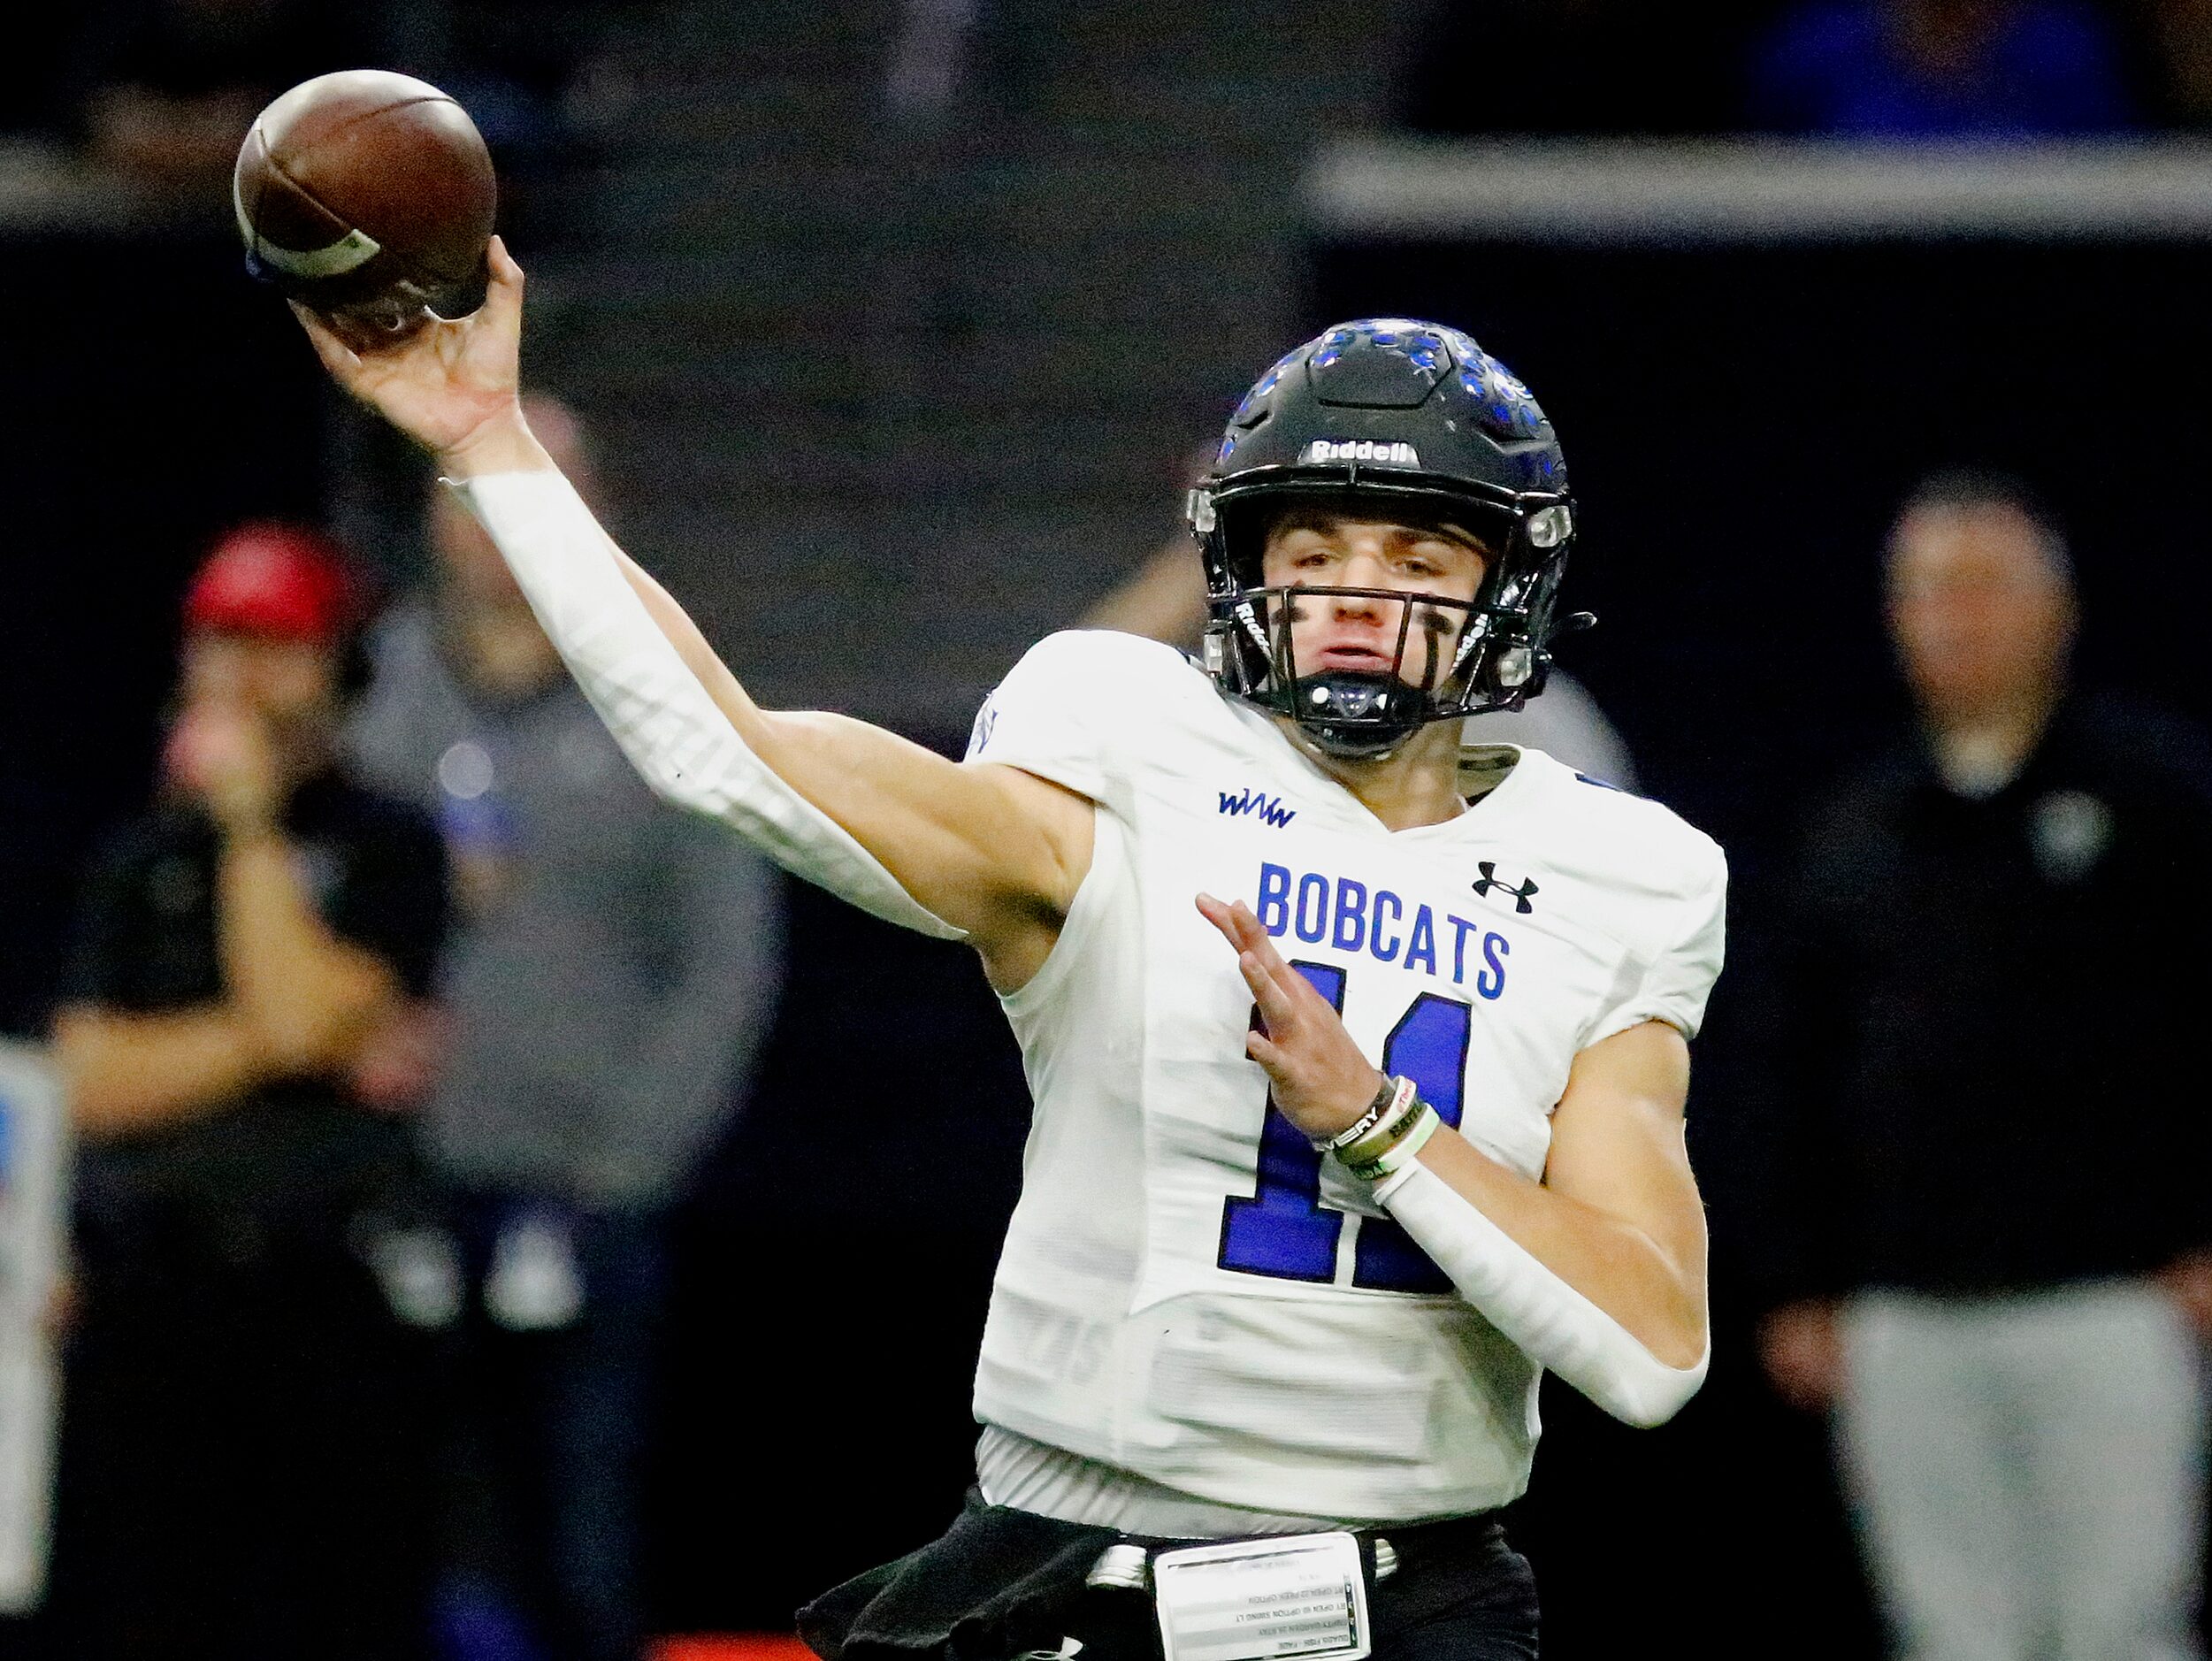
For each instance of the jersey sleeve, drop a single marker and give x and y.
(1064, 712)
(1673, 982)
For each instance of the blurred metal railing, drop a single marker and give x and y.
(1747, 190)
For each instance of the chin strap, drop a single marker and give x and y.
(667, 724)
(1545, 1318)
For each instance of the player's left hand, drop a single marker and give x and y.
(1322, 1081)
(224, 757)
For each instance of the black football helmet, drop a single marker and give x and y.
(1392, 419)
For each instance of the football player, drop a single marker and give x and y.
(1358, 1102)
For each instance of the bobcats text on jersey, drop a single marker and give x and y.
(1352, 916)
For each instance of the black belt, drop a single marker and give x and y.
(1002, 1582)
(1384, 1548)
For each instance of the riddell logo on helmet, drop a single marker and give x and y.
(1361, 451)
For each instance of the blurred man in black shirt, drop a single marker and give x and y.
(243, 1471)
(1988, 1215)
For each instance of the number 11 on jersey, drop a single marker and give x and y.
(1283, 1230)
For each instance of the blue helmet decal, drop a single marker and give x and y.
(1333, 345)
(1364, 380)
(1504, 407)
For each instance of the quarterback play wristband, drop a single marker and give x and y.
(1377, 1158)
(1390, 1100)
(672, 732)
(1540, 1313)
(1359, 1144)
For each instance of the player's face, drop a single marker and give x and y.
(290, 684)
(1359, 632)
(1981, 613)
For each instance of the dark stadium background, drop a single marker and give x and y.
(1739, 419)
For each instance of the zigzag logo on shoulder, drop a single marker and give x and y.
(1382, 454)
(1250, 803)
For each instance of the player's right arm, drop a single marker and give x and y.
(996, 851)
(986, 852)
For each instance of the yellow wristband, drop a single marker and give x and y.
(1380, 1129)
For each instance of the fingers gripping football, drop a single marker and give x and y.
(447, 382)
(1322, 1082)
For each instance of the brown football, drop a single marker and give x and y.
(368, 197)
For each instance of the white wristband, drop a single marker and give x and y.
(671, 729)
(1545, 1318)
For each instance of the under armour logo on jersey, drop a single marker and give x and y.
(1522, 893)
(1256, 804)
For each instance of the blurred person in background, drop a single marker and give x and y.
(1989, 1219)
(167, 88)
(245, 1458)
(612, 971)
(161, 92)
(1940, 69)
(2177, 37)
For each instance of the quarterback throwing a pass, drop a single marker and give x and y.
(1359, 1073)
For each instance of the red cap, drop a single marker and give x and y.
(269, 577)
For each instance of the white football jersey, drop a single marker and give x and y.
(1190, 1291)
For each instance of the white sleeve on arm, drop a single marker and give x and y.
(1540, 1313)
(673, 732)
